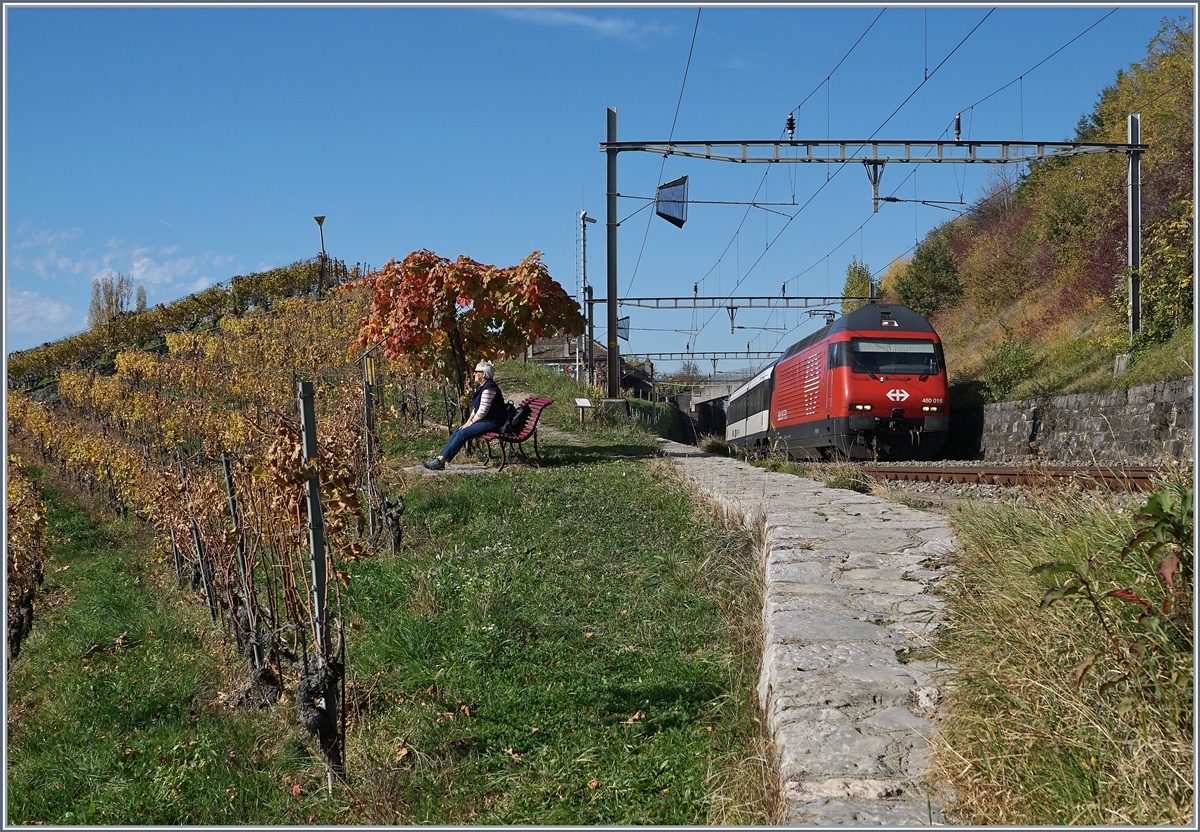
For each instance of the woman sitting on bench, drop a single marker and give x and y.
(487, 414)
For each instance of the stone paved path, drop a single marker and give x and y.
(848, 595)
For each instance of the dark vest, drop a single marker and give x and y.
(492, 414)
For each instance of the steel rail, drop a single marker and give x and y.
(1137, 478)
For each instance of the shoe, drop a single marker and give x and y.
(434, 465)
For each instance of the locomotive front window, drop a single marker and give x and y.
(893, 356)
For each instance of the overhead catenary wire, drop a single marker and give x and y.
(842, 166)
(793, 111)
(1039, 63)
(756, 204)
(966, 110)
(829, 75)
(670, 136)
(970, 110)
(950, 126)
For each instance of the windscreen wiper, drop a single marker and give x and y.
(863, 367)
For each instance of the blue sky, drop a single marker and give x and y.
(182, 146)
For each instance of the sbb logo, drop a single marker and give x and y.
(897, 395)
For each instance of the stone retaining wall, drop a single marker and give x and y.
(851, 589)
(1146, 425)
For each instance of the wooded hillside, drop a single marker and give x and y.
(1028, 288)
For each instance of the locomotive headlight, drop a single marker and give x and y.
(931, 408)
(860, 407)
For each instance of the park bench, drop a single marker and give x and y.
(517, 440)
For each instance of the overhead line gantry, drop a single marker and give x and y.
(874, 155)
(757, 302)
(685, 356)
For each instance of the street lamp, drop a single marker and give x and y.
(321, 275)
(587, 290)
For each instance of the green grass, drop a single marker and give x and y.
(576, 644)
(1024, 745)
(655, 417)
(713, 444)
(1162, 362)
(830, 474)
(126, 735)
(565, 646)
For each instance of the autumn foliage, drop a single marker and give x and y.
(433, 315)
(1039, 262)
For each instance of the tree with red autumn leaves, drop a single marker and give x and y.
(430, 313)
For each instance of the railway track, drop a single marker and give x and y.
(1135, 478)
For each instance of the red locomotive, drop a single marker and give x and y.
(870, 385)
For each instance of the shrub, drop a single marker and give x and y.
(1167, 274)
(1148, 622)
(1008, 364)
(713, 444)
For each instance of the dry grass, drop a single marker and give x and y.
(1071, 352)
(1024, 745)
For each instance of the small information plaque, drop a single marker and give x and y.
(582, 404)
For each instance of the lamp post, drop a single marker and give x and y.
(321, 273)
(584, 220)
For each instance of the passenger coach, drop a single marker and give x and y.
(870, 385)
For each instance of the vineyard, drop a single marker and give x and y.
(260, 291)
(26, 545)
(208, 445)
(263, 452)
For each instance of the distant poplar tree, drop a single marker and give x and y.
(141, 299)
(858, 284)
(110, 298)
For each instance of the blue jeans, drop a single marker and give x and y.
(460, 437)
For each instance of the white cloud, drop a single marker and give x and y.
(43, 252)
(29, 312)
(40, 251)
(145, 269)
(617, 28)
(201, 283)
(67, 262)
(738, 63)
(48, 239)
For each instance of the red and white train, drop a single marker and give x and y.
(869, 385)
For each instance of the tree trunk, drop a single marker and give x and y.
(460, 367)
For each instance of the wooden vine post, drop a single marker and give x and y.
(209, 595)
(317, 691)
(204, 576)
(368, 431)
(178, 558)
(316, 519)
(251, 623)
